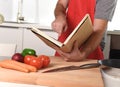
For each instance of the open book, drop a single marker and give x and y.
(80, 34)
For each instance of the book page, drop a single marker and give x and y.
(46, 38)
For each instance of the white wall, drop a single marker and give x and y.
(46, 11)
(6, 8)
(41, 11)
(115, 24)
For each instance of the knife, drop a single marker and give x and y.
(72, 67)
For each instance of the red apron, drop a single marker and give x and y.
(76, 11)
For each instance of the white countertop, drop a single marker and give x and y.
(114, 32)
(24, 25)
(11, 24)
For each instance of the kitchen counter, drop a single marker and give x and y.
(114, 32)
(75, 78)
(110, 43)
(10, 24)
(10, 84)
(20, 34)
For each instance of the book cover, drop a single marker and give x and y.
(80, 34)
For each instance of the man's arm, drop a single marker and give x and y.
(60, 9)
(103, 13)
(105, 10)
(60, 23)
(99, 26)
(91, 44)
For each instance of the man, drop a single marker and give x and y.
(68, 13)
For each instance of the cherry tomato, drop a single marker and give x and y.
(28, 58)
(45, 59)
(37, 62)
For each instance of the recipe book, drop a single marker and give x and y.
(80, 34)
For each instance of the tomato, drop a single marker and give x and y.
(45, 59)
(28, 58)
(28, 51)
(37, 62)
(34, 61)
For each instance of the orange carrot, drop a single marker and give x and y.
(29, 67)
(4, 64)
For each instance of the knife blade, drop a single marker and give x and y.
(72, 67)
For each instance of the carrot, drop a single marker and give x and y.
(11, 64)
(4, 64)
(29, 67)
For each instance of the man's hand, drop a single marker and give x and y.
(59, 25)
(75, 55)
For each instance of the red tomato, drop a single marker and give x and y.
(28, 58)
(34, 61)
(37, 62)
(45, 59)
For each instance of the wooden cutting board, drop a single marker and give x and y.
(75, 78)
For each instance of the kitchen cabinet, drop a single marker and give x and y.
(30, 40)
(20, 35)
(12, 36)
